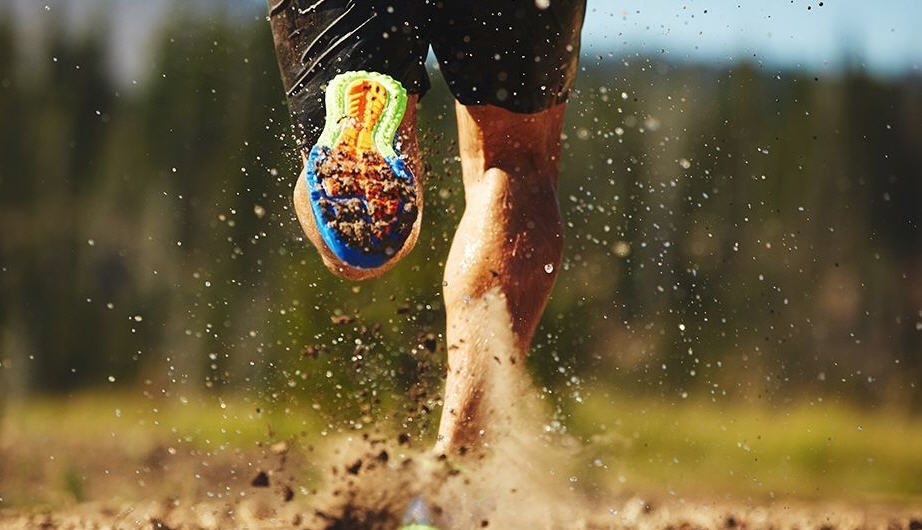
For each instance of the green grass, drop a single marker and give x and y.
(823, 450)
(813, 451)
(57, 450)
(202, 420)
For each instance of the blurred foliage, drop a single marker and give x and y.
(732, 233)
(807, 450)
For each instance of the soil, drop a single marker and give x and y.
(370, 481)
(79, 479)
(367, 205)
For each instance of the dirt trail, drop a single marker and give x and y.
(82, 478)
(369, 481)
(265, 511)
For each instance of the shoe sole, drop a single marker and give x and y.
(362, 195)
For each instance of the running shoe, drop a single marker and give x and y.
(362, 194)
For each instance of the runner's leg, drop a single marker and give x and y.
(511, 66)
(315, 40)
(501, 267)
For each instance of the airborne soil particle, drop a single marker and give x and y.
(261, 480)
(312, 351)
(354, 467)
(341, 319)
(157, 524)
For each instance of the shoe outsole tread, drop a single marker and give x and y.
(362, 194)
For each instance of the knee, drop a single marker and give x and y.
(518, 143)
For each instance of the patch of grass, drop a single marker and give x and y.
(73, 484)
(820, 450)
(56, 450)
(805, 450)
(204, 420)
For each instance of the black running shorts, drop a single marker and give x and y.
(520, 55)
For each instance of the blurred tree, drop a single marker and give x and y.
(731, 233)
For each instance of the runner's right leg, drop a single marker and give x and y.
(350, 213)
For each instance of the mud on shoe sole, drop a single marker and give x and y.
(362, 194)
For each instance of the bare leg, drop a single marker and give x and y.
(410, 150)
(501, 267)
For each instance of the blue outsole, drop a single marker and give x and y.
(355, 257)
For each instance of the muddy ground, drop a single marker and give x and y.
(264, 510)
(364, 481)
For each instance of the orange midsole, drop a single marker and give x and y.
(365, 102)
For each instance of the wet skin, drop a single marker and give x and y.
(508, 239)
(503, 260)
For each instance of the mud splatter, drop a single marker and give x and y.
(365, 203)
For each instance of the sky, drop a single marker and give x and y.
(881, 35)
(884, 35)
